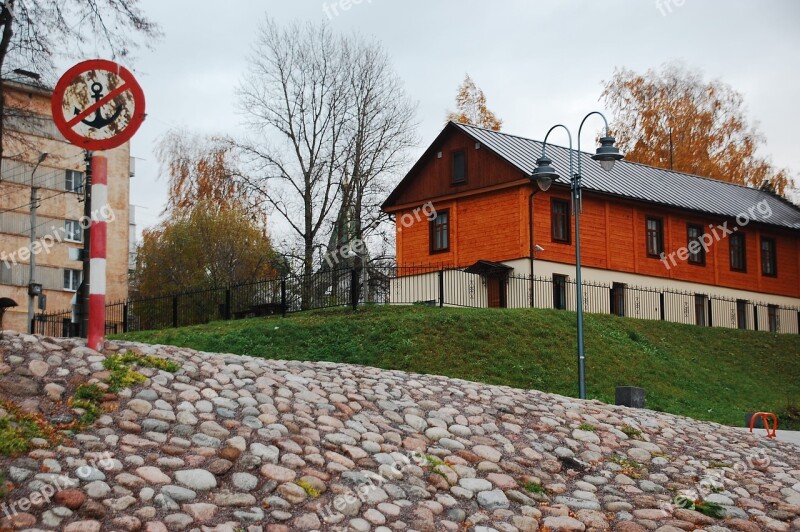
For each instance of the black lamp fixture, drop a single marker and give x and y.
(607, 154)
(544, 174)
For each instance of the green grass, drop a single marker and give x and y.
(624, 462)
(18, 428)
(429, 460)
(710, 509)
(533, 487)
(310, 490)
(704, 373)
(632, 432)
(88, 392)
(122, 375)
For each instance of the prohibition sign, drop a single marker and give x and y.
(98, 105)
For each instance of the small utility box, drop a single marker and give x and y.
(630, 396)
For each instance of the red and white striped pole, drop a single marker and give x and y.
(97, 253)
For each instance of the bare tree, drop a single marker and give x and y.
(35, 32)
(331, 124)
(379, 131)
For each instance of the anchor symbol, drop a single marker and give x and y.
(99, 122)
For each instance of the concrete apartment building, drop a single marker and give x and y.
(30, 133)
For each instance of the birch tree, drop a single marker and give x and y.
(673, 118)
(205, 168)
(471, 107)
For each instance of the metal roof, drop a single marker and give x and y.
(644, 183)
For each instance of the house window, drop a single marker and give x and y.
(5, 272)
(559, 217)
(459, 167)
(700, 309)
(74, 181)
(655, 237)
(741, 313)
(72, 280)
(697, 254)
(738, 256)
(73, 231)
(559, 291)
(769, 257)
(440, 232)
(772, 318)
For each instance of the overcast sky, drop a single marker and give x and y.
(539, 62)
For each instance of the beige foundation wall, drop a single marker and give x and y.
(642, 297)
(547, 269)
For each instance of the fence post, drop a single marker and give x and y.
(662, 301)
(441, 288)
(710, 313)
(798, 322)
(228, 313)
(354, 288)
(755, 317)
(174, 311)
(125, 317)
(283, 296)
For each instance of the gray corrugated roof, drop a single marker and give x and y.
(641, 182)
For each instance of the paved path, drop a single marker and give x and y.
(783, 435)
(229, 443)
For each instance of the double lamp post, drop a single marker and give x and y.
(544, 175)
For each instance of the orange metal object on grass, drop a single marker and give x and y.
(772, 432)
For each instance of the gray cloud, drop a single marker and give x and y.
(538, 62)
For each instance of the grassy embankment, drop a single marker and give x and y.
(704, 373)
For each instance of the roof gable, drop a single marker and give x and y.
(431, 175)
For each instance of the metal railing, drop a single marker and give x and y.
(429, 285)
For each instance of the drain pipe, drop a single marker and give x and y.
(530, 233)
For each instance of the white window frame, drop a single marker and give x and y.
(68, 234)
(74, 280)
(73, 181)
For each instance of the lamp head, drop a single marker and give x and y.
(544, 174)
(607, 154)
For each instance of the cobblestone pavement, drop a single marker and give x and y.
(237, 443)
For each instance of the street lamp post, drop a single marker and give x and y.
(545, 174)
(34, 290)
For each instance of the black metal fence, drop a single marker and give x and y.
(451, 287)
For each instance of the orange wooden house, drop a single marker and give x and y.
(640, 227)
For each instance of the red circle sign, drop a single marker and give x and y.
(98, 105)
